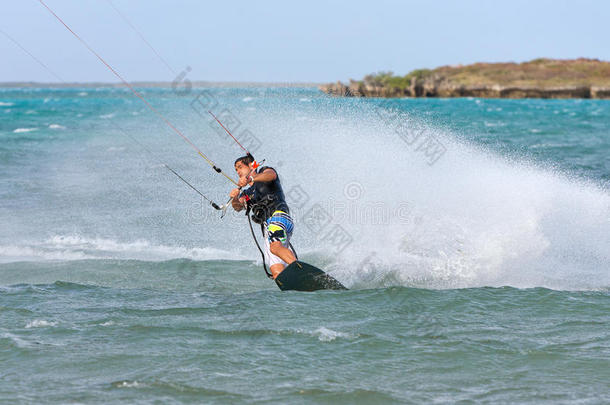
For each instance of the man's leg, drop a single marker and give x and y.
(278, 232)
(276, 269)
(283, 253)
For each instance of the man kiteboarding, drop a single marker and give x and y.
(265, 200)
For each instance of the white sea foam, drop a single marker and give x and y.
(23, 130)
(127, 384)
(19, 342)
(328, 335)
(246, 99)
(494, 124)
(5, 104)
(40, 323)
(107, 116)
(75, 247)
(471, 218)
(14, 253)
(56, 126)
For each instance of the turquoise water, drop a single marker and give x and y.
(479, 274)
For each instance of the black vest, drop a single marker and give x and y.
(266, 198)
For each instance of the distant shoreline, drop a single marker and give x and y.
(197, 84)
(539, 78)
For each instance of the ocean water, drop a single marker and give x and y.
(474, 236)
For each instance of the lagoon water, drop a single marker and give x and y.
(474, 236)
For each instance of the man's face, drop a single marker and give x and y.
(242, 169)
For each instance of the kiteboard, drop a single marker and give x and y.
(300, 276)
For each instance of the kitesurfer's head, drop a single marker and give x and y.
(243, 165)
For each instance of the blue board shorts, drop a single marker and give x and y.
(278, 228)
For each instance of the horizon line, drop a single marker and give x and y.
(199, 84)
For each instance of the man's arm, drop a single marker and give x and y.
(267, 175)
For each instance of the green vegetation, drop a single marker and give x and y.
(539, 73)
(418, 74)
(387, 79)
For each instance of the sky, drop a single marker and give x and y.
(282, 41)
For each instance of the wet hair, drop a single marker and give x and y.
(246, 160)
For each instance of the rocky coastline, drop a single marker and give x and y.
(541, 78)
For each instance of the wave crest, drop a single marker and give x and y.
(77, 247)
